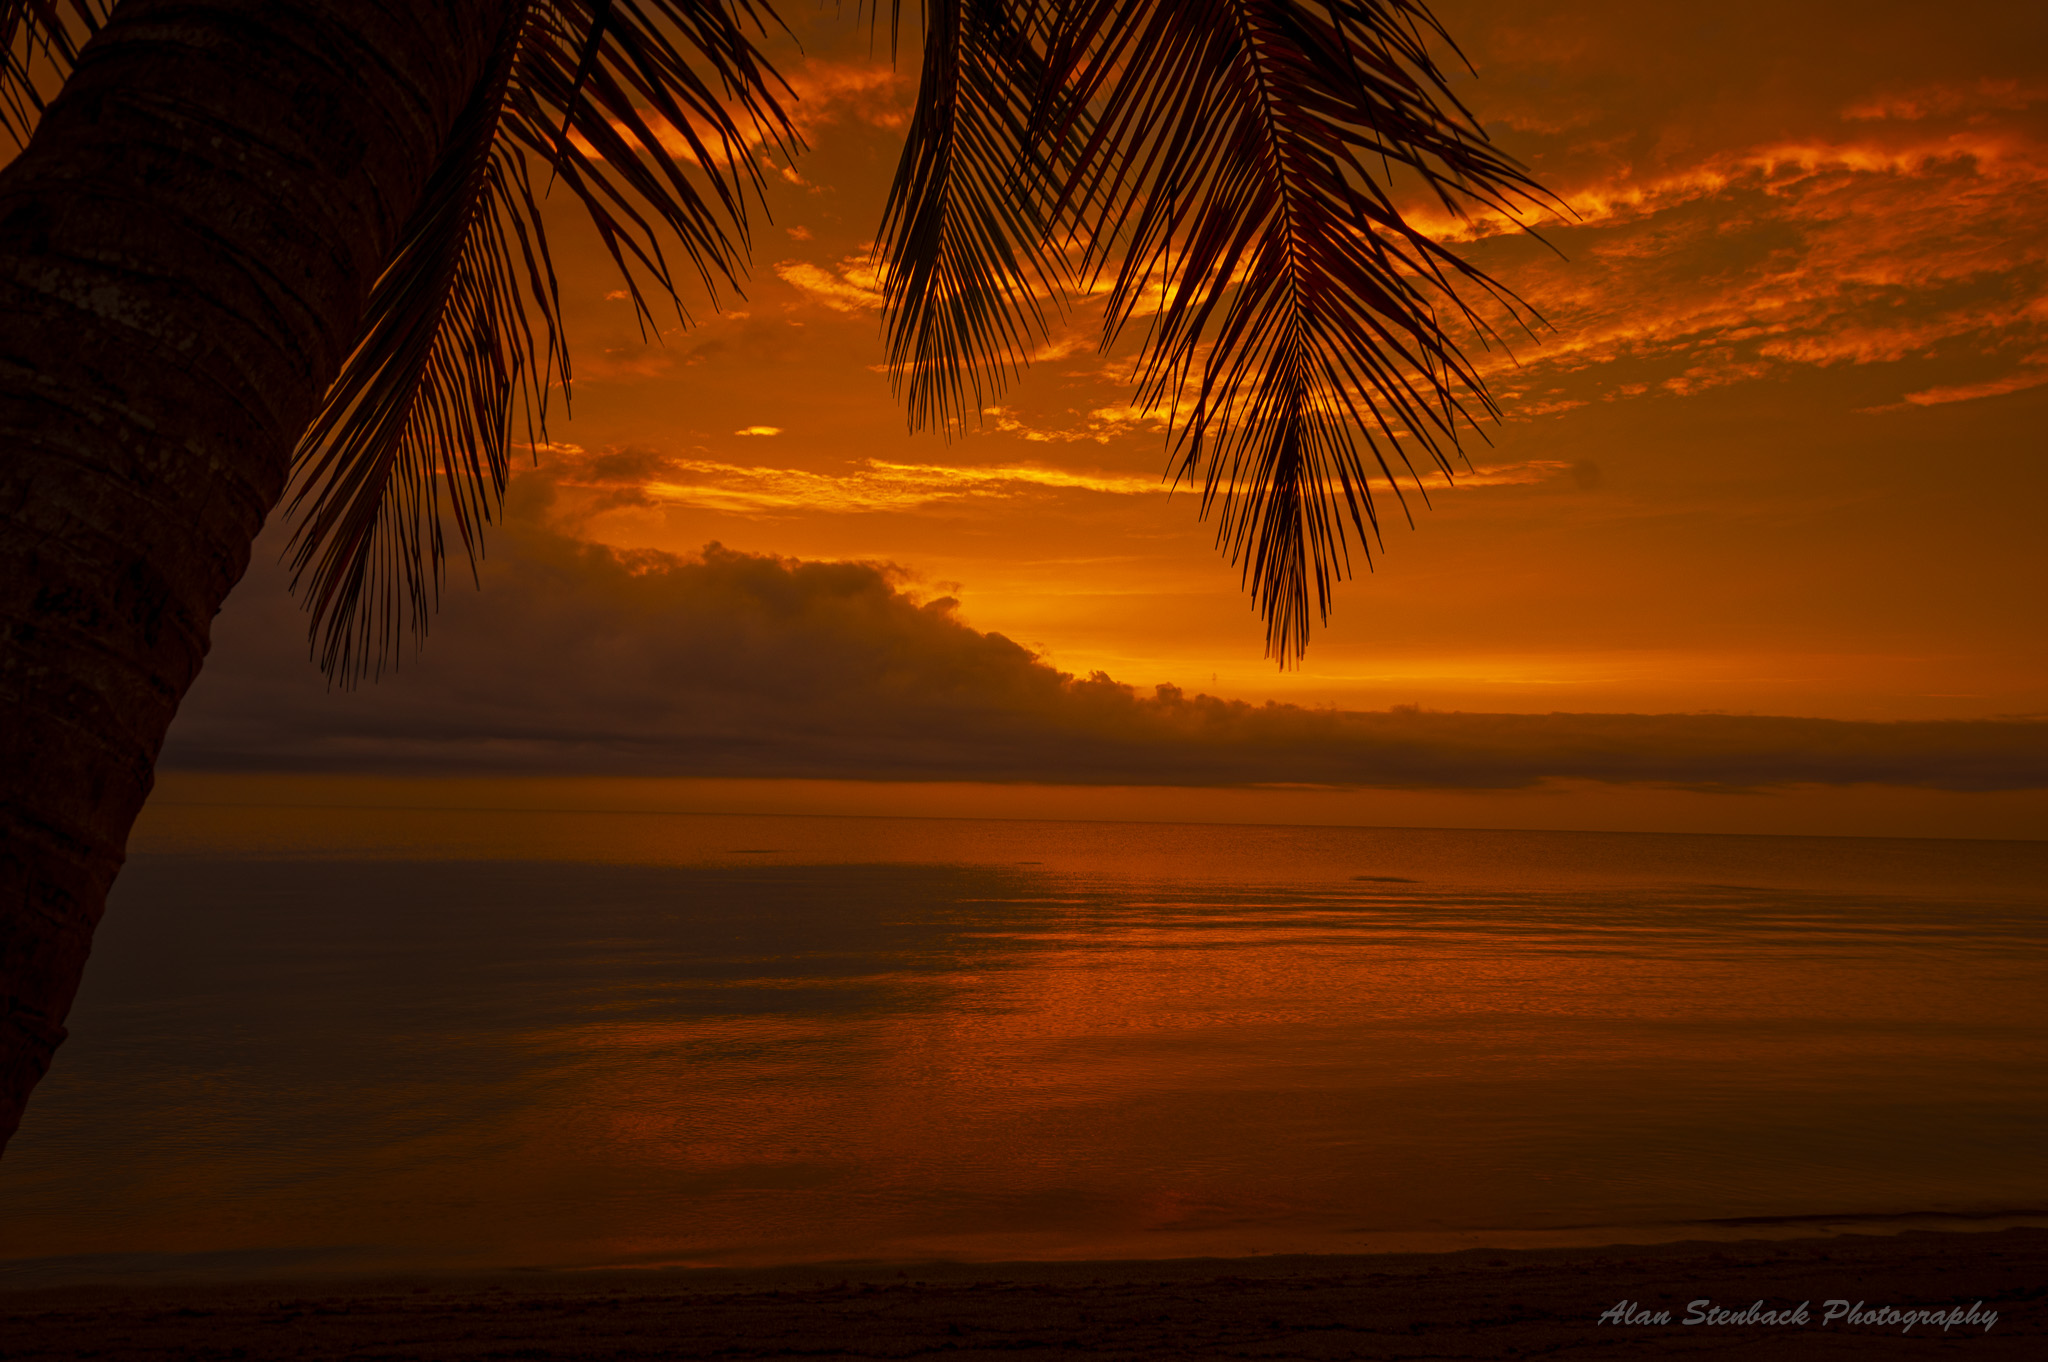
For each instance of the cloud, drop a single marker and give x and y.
(871, 92)
(1522, 474)
(1895, 242)
(646, 478)
(855, 288)
(577, 658)
(1100, 425)
(1897, 226)
(1967, 392)
(1948, 100)
(622, 364)
(821, 92)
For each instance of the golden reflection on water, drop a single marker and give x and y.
(495, 1039)
(1248, 853)
(1134, 1097)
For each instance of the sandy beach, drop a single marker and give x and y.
(1478, 1303)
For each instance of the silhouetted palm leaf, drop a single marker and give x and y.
(39, 38)
(1219, 162)
(968, 251)
(418, 427)
(1236, 183)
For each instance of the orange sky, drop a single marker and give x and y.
(1779, 454)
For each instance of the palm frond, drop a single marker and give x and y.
(466, 318)
(419, 419)
(1228, 166)
(613, 97)
(967, 251)
(1298, 336)
(39, 44)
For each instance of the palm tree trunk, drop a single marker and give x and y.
(186, 247)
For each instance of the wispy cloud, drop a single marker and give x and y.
(873, 92)
(853, 287)
(1101, 425)
(871, 485)
(1889, 237)
(1948, 100)
(2032, 377)
(821, 92)
(1859, 249)
(879, 485)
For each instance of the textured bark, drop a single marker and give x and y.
(185, 251)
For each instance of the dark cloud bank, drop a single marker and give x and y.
(578, 659)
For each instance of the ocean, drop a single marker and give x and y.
(322, 1041)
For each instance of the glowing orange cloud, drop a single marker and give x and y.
(1813, 253)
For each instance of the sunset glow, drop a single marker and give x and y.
(1777, 449)
(1131, 678)
(1774, 447)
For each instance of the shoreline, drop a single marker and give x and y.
(1477, 1303)
(340, 1264)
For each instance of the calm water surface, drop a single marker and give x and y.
(318, 1041)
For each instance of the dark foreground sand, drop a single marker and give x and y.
(1476, 1304)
